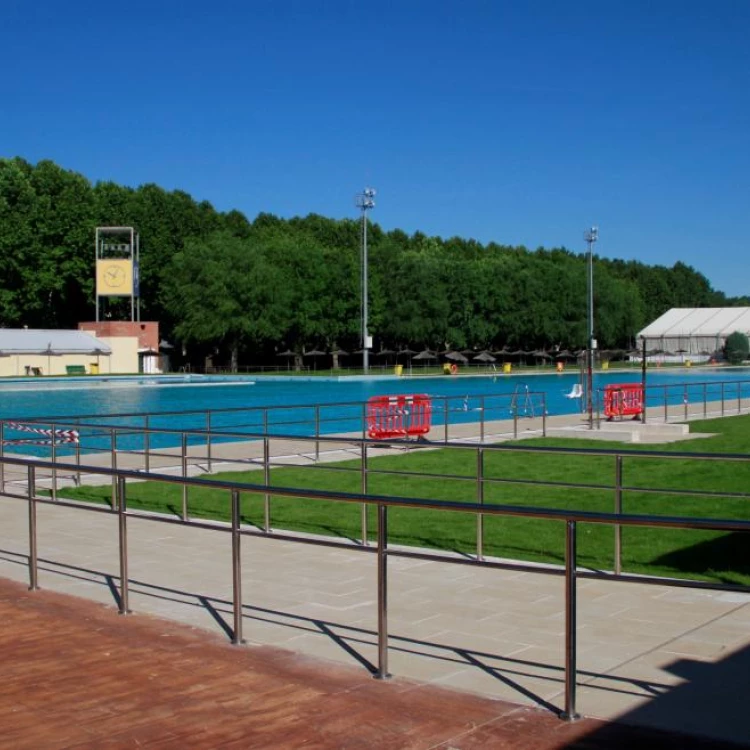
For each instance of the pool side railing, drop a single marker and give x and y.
(236, 530)
(201, 452)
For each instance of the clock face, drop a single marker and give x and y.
(114, 276)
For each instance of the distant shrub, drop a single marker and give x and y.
(737, 348)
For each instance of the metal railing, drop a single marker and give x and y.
(303, 420)
(201, 451)
(570, 518)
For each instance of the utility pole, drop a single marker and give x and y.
(365, 201)
(591, 236)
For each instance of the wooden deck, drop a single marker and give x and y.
(77, 675)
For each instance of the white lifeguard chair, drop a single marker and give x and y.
(575, 392)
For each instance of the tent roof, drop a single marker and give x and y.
(39, 341)
(699, 321)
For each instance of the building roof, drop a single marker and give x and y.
(38, 341)
(699, 321)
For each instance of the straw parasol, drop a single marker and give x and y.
(484, 357)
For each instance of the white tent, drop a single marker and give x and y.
(695, 331)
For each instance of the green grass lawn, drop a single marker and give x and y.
(713, 556)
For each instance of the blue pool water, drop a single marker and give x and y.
(285, 405)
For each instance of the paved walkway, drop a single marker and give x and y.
(676, 659)
(670, 658)
(76, 676)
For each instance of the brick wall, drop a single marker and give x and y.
(146, 333)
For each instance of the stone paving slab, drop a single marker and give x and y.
(496, 633)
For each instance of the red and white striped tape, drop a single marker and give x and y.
(61, 436)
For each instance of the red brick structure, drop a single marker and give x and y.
(147, 333)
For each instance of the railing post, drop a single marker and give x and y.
(618, 511)
(78, 458)
(183, 455)
(33, 558)
(123, 535)
(208, 441)
(569, 714)
(267, 482)
(363, 487)
(147, 440)
(2, 453)
(236, 569)
(480, 500)
(544, 414)
(515, 421)
(722, 399)
(317, 432)
(445, 417)
(666, 401)
(53, 451)
(598, 401)
(481, 419)
(739, 398)
(382, 673)
(113, 464)
(685, 401)
(705, 400)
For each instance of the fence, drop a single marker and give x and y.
(27, 492)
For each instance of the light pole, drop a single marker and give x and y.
(365, 201)
(591, 236)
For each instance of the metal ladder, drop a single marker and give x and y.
(521, 402)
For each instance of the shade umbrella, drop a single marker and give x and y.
(541, 354)
(426, 354)
(339, 353)
(564, 354)
(484, 357)
(407, 352)
(288, 354)
(456, 357)
(467, 352)
(384, 352)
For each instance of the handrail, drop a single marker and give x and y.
(570, 517)
(522, 511)
(455, 444)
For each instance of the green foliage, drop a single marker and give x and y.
(220, 281)
(737, 348)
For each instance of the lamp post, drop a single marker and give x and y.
(365, 201)
(591, 236)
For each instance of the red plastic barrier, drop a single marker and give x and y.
(623, 400)
(399, 416)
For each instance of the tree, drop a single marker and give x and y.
(223, 289)
(737, 348)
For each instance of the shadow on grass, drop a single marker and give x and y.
(724, 558)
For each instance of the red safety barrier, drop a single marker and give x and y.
(399, 416)
(623, 400)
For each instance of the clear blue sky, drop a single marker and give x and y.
(519, 122)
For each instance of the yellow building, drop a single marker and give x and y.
(62, 352)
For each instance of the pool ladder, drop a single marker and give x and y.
(521, 402)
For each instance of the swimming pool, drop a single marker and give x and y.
(286, 405)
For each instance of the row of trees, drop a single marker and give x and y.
(218, 282)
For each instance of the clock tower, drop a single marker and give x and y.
(117, 254)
